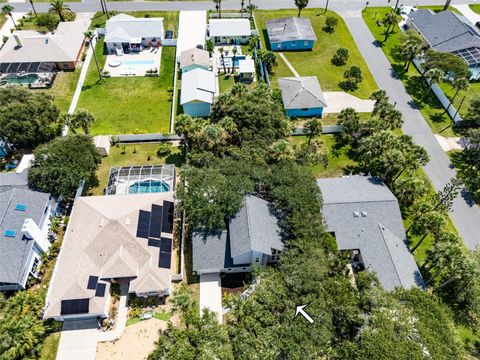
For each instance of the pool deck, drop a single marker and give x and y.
(137, 69)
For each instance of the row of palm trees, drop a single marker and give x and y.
(250, 7)
(57, 7)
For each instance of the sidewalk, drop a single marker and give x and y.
(122, 315)
(471, 15)
(5, 30)
(211, 294)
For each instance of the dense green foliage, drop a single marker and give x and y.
(21, 327)
(27, 119)
(61, 165)
(467, 162)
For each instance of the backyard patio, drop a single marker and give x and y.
(134, 64)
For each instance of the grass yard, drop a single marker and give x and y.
(126, 155)
(476, 8)
(431, 109)
(49, 347)
(125, 105)
(3, 19)
(317, 62)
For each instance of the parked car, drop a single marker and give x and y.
(477, 24)
(169, 34)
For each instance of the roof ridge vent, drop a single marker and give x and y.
(364, 214)
(356, 214)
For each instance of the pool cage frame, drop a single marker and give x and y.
(138, 173)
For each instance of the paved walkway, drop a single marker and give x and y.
(211, 294)
(78, 340)
(465, 214)
(122, 315)
(471, 15)
(290, 66)
(339, 100)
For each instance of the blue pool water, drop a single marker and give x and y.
(24, 79)
(148, 186)
(237, 59)
(138, 62)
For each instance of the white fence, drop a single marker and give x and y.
(452, 112)
(244, 15)
(169, 42)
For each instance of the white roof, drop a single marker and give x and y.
(25, 163)
(229, 27)
(192, 28)
(61, 46)
(126, 28)
(246, 66)
(198, 85)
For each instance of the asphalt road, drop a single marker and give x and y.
(465, 215)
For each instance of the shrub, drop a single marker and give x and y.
(330, 24)
(48, 20)
(164, 149)
(341, 57)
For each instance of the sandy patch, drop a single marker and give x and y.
(451, 143)
(136, 342)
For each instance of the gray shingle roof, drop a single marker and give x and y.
(445, 31)
(254, 227)
(290, 29)
(364, 215)
(14, 252)
(301, 93)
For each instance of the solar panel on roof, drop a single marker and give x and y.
(166, 245)
(154, 242)
(100, 292)
(92, 282)
(167, 218)
(165, 260)
(75, 306)
(155, 222)
(143, 224)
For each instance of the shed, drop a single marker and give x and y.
(246, 69)
(198, 92)
(102, 144)
(302, 96)
(194, 59)
(292, 33)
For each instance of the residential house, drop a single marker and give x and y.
(24, 230)
(192, 30)
(194, 58)
(252, 237)
(364, 216)
(293, 33)
(229, 31)
(302, 96)
(447, 31)
(246, 69)
(109, 239)
(29, 51)
(126, 33)
(199, 88)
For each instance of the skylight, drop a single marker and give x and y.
(21, 207)
(10, 233)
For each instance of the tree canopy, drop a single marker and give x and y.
(27, 119)
(61, 165)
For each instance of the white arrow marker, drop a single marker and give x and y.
(303, 313)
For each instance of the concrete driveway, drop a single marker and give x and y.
(78, 340)
(338, 100)
(211, 294)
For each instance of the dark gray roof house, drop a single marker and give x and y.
(290, 29)
(448, 32)
(365, 218)
(24, 223)
(301, 92)
(253, 236)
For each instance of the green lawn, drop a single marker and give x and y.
(317, 62)
(225, 83)
(124, 105)
(475, 8)
(431, 109)
(3, 19)
(49, 347)
(126, 155)
(157, 315)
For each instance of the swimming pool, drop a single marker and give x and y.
(138, 62)
(21, 79)
(148, 186)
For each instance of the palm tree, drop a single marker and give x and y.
(444, 256)
(433, 75)
(209, 46)
(7, 10)
(301, 4)
(390, 19)
(69, 120)
(410, 47)
(447, 5)
(458, 84)
(312, 128)
(222, 56)
(218, 7)
(90, 36)
(432, 223)
(242, 5)
(63, 10)
(251, 8)
(33, 7)
(281, 151)
(83, 119)
(326, 6)
(234, 52)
